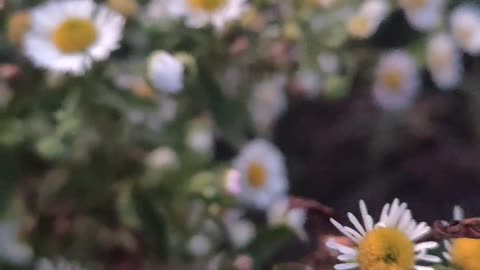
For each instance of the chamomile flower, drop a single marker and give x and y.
(68, 36)
(280, 213)
(267, 102)
(444, 61)
(365, 22)
(388, 244)
(199, 13)
(465, 27)
(58, 264)
(263, 176)
(397, 81)
(165, 71)
(423, 15)
(462, 253)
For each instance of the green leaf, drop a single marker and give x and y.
(153, 223)
(268, 242)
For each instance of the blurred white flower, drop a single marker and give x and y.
(68, 36)
(365, 22)
(200, 136)
(328, 63)
(240, 230)
(199, 13)
(244, 262)
(165, 112)
(267, 102)
(281, 214)
(444, 61)
(308, 82)
(165, 72)
(397, 81)
(465, 27)
(262, 172)
(199, 245)
(58, 264)
(162, 158)
(12, 249)
(423, 15)
(155, 12)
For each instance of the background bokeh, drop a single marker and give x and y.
(114, 169)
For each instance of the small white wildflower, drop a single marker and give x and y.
(165, 72)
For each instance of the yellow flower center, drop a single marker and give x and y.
(74, 35)
(18, 24)
(256, 175)
(207, 5)
(386, 249)
(359, 27)
(413, 4)
(466, 254)
(393, 80)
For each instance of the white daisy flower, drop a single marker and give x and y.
(423, 15)
(365, 22)
(12, 249)
(388, 244)
(199, 13)
(444, 61)
(262, 172)
(58, 264)
(165, 72)
(280, 213)
(267, 102)
(465, 27)
(68, 36)
(397, 81)
(462, 253)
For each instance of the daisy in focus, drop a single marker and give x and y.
(388, 244)
(200, 13)
(463, 253)
(397, 81)
(465, 27)
(444, 61)
(263, 176)
(68, 36)
(365, 22)
(58, 264)
(423, 15)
